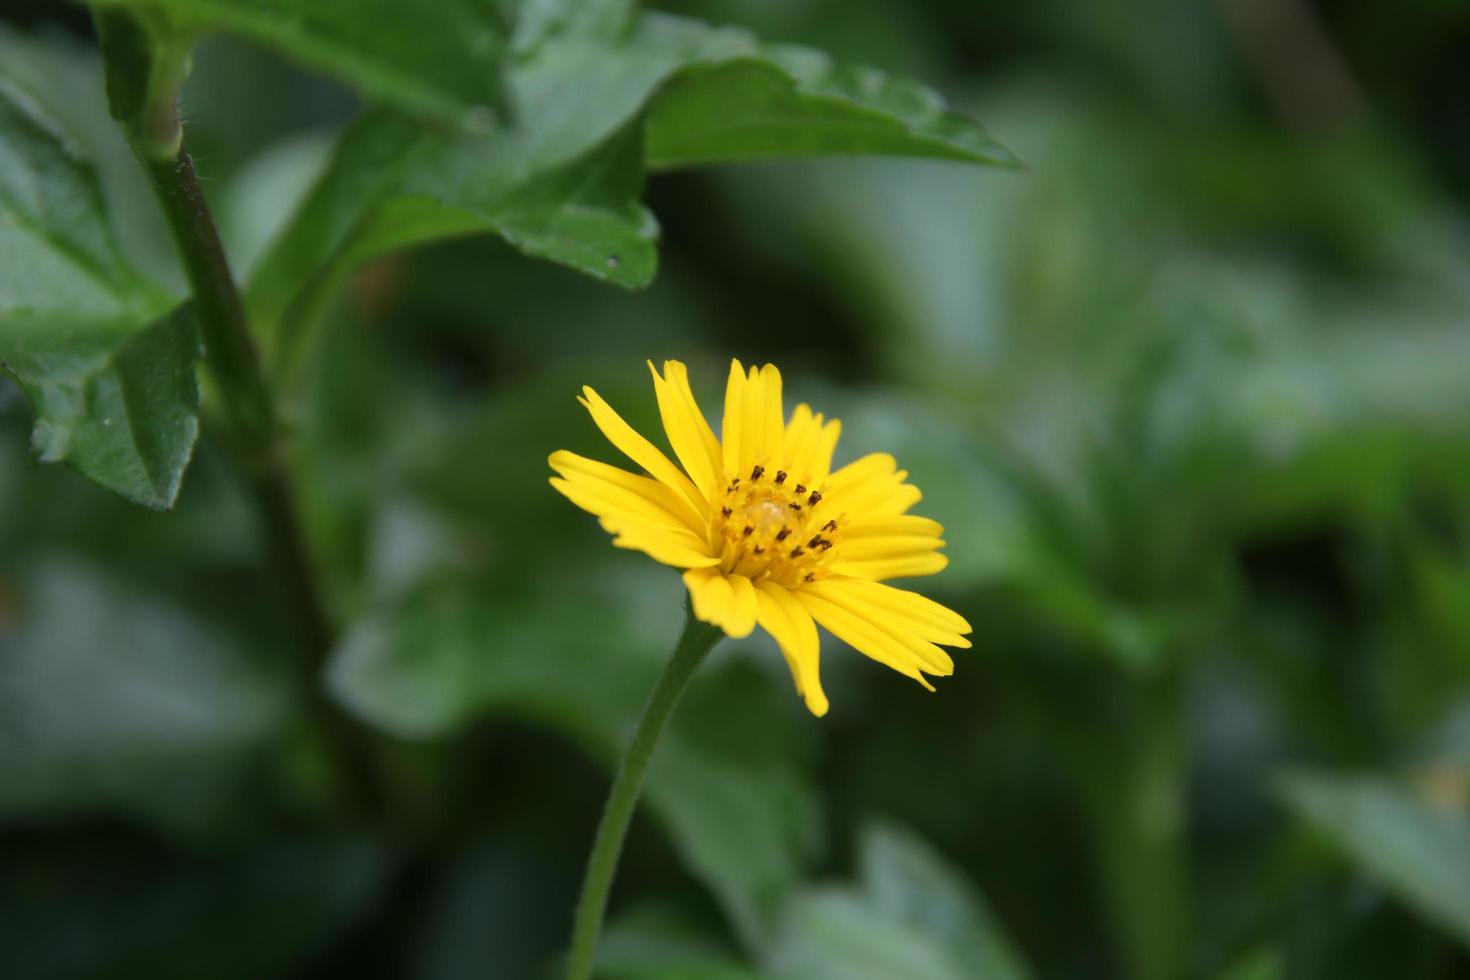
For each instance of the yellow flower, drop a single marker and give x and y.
(767, 532)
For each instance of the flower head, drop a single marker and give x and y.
(767, 532)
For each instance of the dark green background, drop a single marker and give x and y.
(1191, 396)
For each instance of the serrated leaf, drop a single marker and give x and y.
(110, 372)
(1420, 853)
(562, 174)
(440, 59)
(794, 102)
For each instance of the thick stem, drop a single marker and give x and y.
(253, 430)
(694, 645)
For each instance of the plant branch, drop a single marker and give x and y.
(144, 66)
(602, 864)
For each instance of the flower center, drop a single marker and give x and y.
(773, 525)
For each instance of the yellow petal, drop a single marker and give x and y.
(879, 569)
(872, 548)
(645, 454)
(732, 434)
(724, 601)
(906, 610)
(809, 444)
(742, 610)
(624, 493)
(689, 434)
(873, 487)
(772, 414)
(897, 525)
(677, 550)
(782, 616)
(863, 635)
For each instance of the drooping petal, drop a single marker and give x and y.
(743, 611)
(904, 610)
(871, 635)
(644, 453)
(782, 616)
(693, 441)
(623, 494)
(724, 601)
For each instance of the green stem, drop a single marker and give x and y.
(144, 65)
(602, 864)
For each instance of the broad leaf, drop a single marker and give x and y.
(723, 782)
(109, 371)
(115, 699)
(909, 915)
(562, 174)
(1419, 853)
(794, 102)
(441, 59)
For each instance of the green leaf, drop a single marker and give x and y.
(656, 944)
(113, 698)
(794, 102)
(560, 177)
(440, 59)
(110, 372)
(1420, 853)
(724, 781)
(904, 878)
(909, 915)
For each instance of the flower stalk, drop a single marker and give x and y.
(695, 643)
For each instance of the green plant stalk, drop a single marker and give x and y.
(137, 54)
(1133, 781)
(695, 643)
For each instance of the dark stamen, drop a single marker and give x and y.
(830, 526)
(749, 530)
(814, 499)
(796, 506)
(757, 550)
(725, 512)
(780, 477)
(797, 552)
(782, 534)
(800, 489)
(758, 472)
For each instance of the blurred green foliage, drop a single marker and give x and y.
(1188, 394)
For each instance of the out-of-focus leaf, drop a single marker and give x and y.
(908, 916)
(905, 879)
(110, 373)
(560, 178)
(642, 946)
(1418, 852)
(1266, 963)
(113, 699)
(733, 801)
(440, 59)
(794, 102)
(75, 909)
